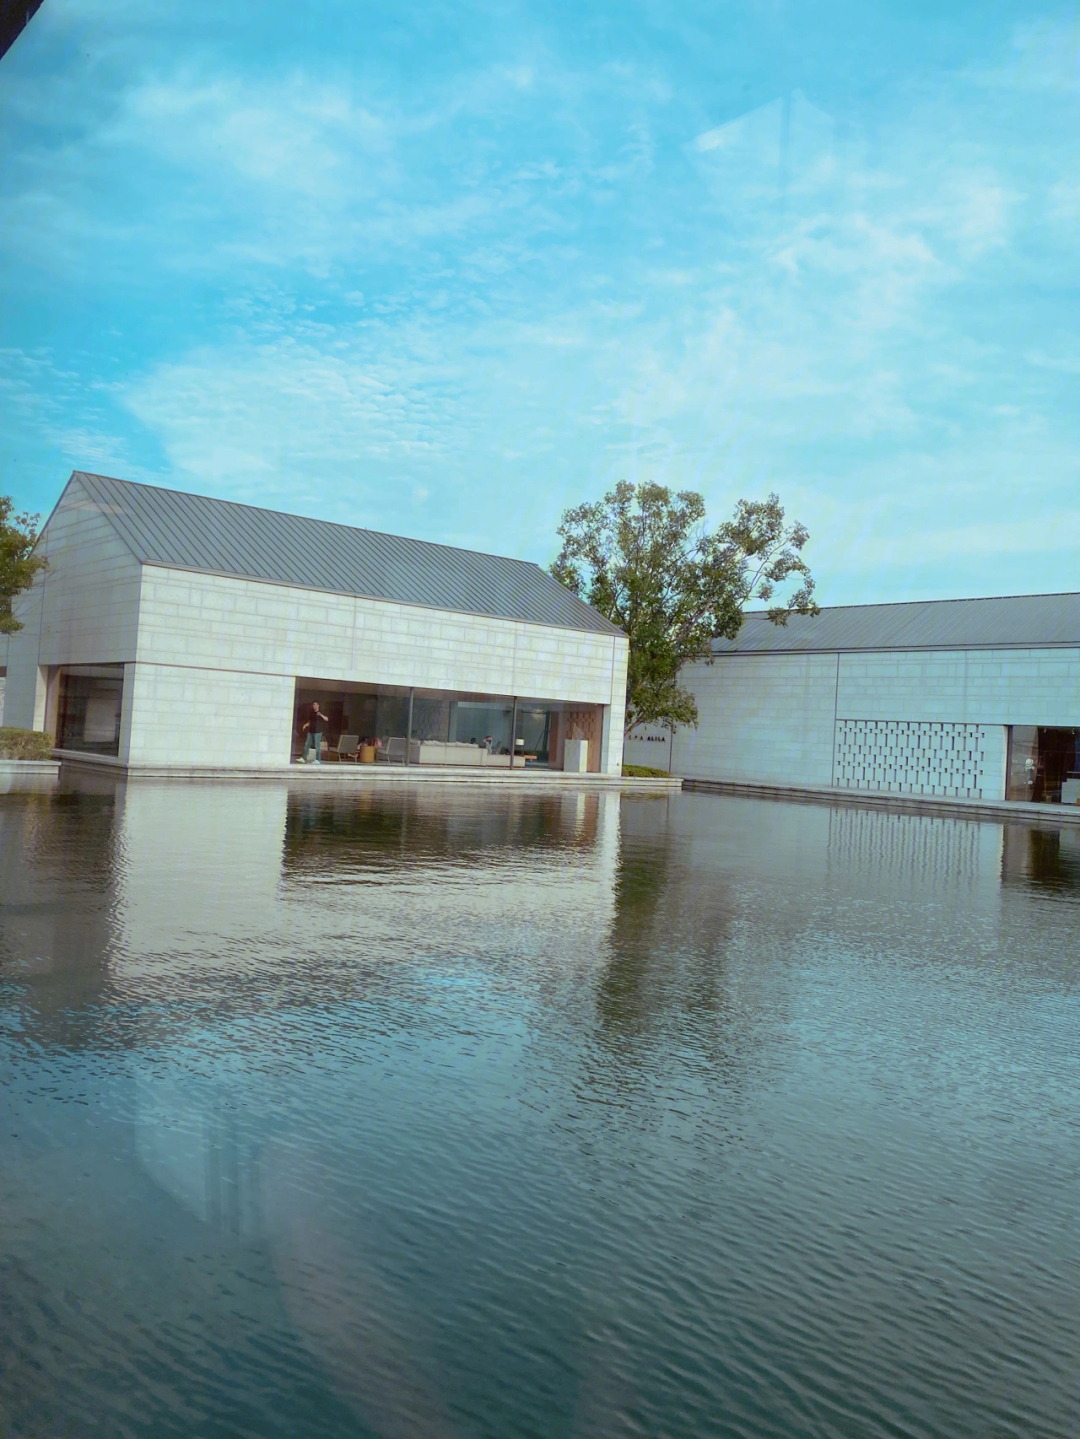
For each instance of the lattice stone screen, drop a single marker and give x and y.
(909, 757)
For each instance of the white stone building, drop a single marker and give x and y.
(172, 630)
(973, 698)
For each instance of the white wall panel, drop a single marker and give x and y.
(998, 687)
(90, 592)
(763, 719)
(611, 759)
(187, 716)
(649, 745)
(83, 610)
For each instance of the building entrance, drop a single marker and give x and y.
(1044, 764)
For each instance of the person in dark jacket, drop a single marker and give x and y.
(314, 725)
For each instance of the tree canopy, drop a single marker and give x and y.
(646, 559)
(18, 562)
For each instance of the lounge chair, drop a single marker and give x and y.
(393, 751)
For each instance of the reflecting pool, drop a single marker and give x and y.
(431, 1113)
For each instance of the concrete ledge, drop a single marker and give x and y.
(21, 776)
(1053, 814)
(374, 776)
(449, 774)
(78, 756)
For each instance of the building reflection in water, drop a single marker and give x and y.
(58, 897)
(398, 912)
(1042, 858)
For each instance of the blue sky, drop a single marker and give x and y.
(446, 269)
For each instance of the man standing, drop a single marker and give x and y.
(313, 732)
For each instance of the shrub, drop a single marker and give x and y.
(643, 771)
(24, 743)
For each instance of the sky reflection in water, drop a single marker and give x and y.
(447, 1114)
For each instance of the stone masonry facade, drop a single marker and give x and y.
(210, 661)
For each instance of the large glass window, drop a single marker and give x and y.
(88, 715)
(483, 722)
(1044, 764)
(534, 734)
(367, 712)
(391, 724)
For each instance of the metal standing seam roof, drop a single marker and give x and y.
(1002, 622)
(220, 537)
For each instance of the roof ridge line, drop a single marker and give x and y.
(954, 600)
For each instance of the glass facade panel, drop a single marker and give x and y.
(89, 708)
(534, 734)
(368, 712)
(450, 727)
(483, 722)
(1044, 764)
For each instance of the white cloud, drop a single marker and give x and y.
(1042, 58)
(296, 136)
(287, 419)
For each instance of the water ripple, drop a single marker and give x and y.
(508, 1115)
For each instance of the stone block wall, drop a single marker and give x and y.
(1006, 686)
(764, 719)
(185, 715)
(246, 642)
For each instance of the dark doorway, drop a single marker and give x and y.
(88, 714)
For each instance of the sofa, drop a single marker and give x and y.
(458, 752)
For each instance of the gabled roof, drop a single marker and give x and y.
(1003, 622)
(194, 532)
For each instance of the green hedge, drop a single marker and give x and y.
(643, 771)
(24, 744)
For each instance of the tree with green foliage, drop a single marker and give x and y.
(646, 559)
(18, 563)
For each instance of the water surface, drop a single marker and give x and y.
(437, 1114)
